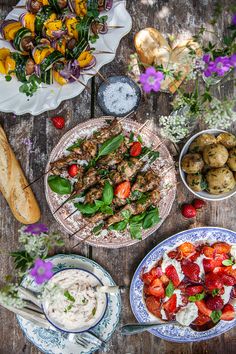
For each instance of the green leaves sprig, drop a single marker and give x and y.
(197, 297)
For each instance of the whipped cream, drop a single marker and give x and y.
(187, 314)
(168, 261)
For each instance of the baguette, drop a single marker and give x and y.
(12, 182)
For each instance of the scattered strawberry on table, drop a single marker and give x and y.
(193, 284)
(189, 211)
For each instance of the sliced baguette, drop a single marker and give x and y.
(12, 182)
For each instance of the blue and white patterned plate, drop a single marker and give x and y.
(51, 342)
(175, 333)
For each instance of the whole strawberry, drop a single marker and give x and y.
(188, 211)
(199, 203)
(58, 122)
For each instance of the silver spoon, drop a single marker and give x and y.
(142, 327)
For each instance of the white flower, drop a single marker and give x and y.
(175, 126)
(219, 114)
(9, 297)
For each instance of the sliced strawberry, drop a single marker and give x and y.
(201, 319)
(186, 249)
(221, 247)
(170, 306)
(172, 275)
(153, 305)
(230, 271)
(214, 303)
(202, 308)
(136, 149)
(190, 270)
(194, 256)
(227, 280)
(165, 280)
(228, 313)
(148, 277)
(210, 264)
(193, 290)
(208, 251)
(122, 191)
(146, 289)
(156, 288)
(213, 281)
(172, 254)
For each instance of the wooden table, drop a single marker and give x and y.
(169, 17)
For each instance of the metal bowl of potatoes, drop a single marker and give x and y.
(207, 164)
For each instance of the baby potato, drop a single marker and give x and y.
(227, 139)
(231, 162)
(201, 141)
(196, 182)
(215, 155)
(220, 180)
(192, 163)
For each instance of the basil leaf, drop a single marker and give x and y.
(119, 226)
(215, 292)
(108, 193)
(96, 230)
(137, 218)
(170, 289)
(197, 297)
(59, 185)
(110, 145)
(227, 262)
(140, 139)
(126, 214)
(87, 208)
(107, 210)
(136, 194)
(135, 231)
(131, 137)
(151, 218)
(215, 316)
(75, 145)
(69, 296)
(99, 203)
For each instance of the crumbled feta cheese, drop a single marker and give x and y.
(226, 295)
(199, 262)
(186, 315)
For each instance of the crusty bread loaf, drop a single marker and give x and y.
(12, 182)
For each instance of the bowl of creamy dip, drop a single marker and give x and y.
(71, 301)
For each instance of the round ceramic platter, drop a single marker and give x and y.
(175, 333)
(55, 342)
(49, 97)
(111, 239)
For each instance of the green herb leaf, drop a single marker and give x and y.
(94, 311)
(107, 195)
(22, 260)
(99, 203)
(197, 297)
(227, 262)
(68, 308)
(126, 214)
(152, 218)
(215, 292)
(110, 145)
(69, 296)
(8, 77)
(215, 316)
(140, 139)
(135, 231)
(59, 185)
(137, 218)
(75, 145)
(87, 208)
(31, 86)
(136, 194)
(107, 210)
(119, 226)
(131, 137)
(96, 230)
(170, 289)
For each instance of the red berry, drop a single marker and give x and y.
(153, 305)
(227, 280)
(190, 270)
(193, 290)
(156, 288)
(215, 303)
(170, 306)
(172, 275)
(188, 211)
(228, 313)
(73, 170)
(202, 308)
(201, 319)
(58, 122)
(198, 203)
(213, 281)
(136, 149)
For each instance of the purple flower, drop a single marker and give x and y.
(234, 20)
(42, 271)
(233, 60)
(206, 58)
(221, 65)
(36, 229)
(151, 80)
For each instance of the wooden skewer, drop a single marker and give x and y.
(37, 179)
(65, 201)
(19, 7)
(88, 88)
(103, 52)
(115, 26)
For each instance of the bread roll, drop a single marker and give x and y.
(12, 182)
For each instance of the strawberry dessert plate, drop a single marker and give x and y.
(189, 278)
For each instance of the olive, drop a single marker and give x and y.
(29, 68)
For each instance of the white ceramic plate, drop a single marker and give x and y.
(51, 342)
(203, 195)
(176, 333)
(49, 97)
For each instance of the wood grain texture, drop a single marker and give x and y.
(170, 17)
